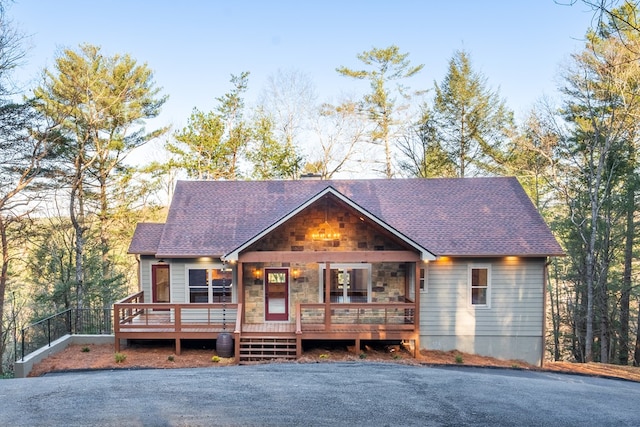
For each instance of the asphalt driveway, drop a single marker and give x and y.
(324, 394)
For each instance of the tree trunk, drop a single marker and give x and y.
(3, 283)
(625, 294)
(463, 148)
(77, 220)
(387, 153)
(588, 337)
(555, 317)
(636, 352)
(104, 243)
(579, 322)
(605, 335)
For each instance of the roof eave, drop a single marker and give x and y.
(502, 255)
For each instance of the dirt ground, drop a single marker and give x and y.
(156, 355)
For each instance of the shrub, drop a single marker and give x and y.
(120, 357)
(86, 349)
(459, 359)
(215, 359)
(324, 356)
(171, 358)
(363, 355)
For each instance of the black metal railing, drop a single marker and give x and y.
(89, 321)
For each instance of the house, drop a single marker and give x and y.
(437, 264)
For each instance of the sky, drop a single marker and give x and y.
(194, 46)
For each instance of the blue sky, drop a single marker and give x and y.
(194, 46)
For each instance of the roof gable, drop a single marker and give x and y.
(424, 253)
(447, 217)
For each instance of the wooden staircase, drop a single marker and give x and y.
(256, 349)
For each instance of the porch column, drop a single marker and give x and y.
(416, 312)
(327, 296)
(240, 290)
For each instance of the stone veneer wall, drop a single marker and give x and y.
(302, 290)
(355, 234)
(388, 279)
(388, 282)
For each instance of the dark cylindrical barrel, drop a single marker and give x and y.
(224, 345)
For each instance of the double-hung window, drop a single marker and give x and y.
(480, 285)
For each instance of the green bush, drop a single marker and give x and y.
(120, 357)
(86, 349)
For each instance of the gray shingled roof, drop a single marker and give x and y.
(448, 217)
(146, 238)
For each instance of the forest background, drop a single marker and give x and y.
(70, 196)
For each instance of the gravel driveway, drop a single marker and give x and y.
(323, 394)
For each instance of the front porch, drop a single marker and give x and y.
(135, 319)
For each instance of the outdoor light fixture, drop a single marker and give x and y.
(257, 276)
(324, 231)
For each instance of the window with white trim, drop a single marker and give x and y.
(480, 286)
(208, 284)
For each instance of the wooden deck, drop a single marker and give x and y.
(134, 319)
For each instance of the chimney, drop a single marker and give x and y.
(311, 176)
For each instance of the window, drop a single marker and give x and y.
(479, 285)
(209, 284)
(348, 283)
(424, 285)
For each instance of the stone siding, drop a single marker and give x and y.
(387, 279)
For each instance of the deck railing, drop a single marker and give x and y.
(91, 321)
(174, 317)
(387, 316)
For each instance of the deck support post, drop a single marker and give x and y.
(327, 296)
(357, 346)
(236, 347)
(178, 346)
(298, 345)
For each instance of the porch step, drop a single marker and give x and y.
(254, 349)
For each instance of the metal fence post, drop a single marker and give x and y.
(22, 332)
